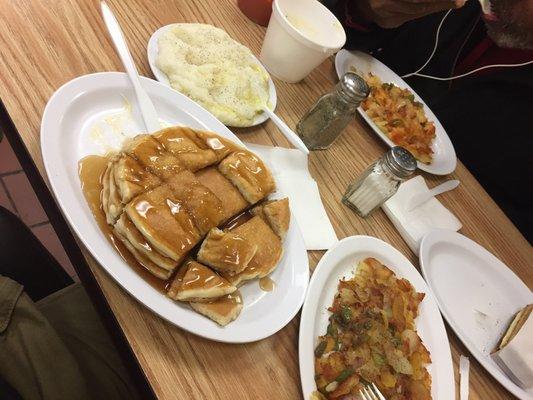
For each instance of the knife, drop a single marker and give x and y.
(421, 198)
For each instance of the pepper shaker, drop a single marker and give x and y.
(324, 122)
(380, 181)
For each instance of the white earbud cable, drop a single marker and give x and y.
(434, 47)
(416, 73)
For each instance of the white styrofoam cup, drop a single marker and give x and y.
(301, 34)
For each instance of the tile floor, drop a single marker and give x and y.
(17, 195)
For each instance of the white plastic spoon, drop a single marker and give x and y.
(287, 132)
(420, 198)
(146, 106)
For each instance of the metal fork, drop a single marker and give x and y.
(371, 392)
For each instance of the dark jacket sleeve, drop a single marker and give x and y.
(7, 392)
(360, 34)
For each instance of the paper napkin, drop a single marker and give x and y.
(414, 225)
(291, 173)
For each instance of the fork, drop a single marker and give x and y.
(371, 392)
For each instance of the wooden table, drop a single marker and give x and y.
(46, 43)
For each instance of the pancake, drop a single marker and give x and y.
(143, 260)
(268, 254)
(226, 252)
(277, 214)
(153, 156)
(232, 201)
(131, 178)
(127, 229)
(114, 201)
(222, 310)
(198, 283)
(164, 222)
(105, 188)
(238, 279)
(249, 174)
(164, 193)
(204, 207)
(221, 146)
(182, 142)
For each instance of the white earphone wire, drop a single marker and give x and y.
(474, 71)
(434, 47)
(416, 73)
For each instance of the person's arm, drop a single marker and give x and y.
(7, 392)
(34, 360)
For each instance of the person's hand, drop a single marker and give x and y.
(393, 13)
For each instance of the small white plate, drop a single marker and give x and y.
(340, 262)
(87, 116)
(444, 158)
(162, 77)
(467, 281)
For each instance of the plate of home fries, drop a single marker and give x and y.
(186, 219)
(204, 63)
(369, 317)
(398, 115)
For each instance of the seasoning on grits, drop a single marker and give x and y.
(207, 65)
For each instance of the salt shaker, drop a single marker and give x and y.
(380, 181)
(325, 121)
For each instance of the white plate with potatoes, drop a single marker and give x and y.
(444, 158)
(93, 115)
(340, 262)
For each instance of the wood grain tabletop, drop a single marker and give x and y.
(44, 44)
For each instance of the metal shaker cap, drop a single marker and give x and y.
(400, 161)
(354, 87)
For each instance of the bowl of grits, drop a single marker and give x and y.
(205, 64)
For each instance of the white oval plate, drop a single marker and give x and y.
(340, 262)
(467, 280)
(162, 77)
(444, 158)
(87, 112)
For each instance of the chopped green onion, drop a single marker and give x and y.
(319, 350)
(332, 329)
(346, 314)
(345, 374)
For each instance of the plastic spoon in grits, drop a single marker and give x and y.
(287, 132)
(146, 106)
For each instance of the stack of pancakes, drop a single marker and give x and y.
(166, 196)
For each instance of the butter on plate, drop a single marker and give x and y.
(514, 354)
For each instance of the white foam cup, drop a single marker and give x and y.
(301, 34)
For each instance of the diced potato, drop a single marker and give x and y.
(399, 362)
(412, 340)
(372, 338)
(387, 379)
(345, 387)
(331, 343)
